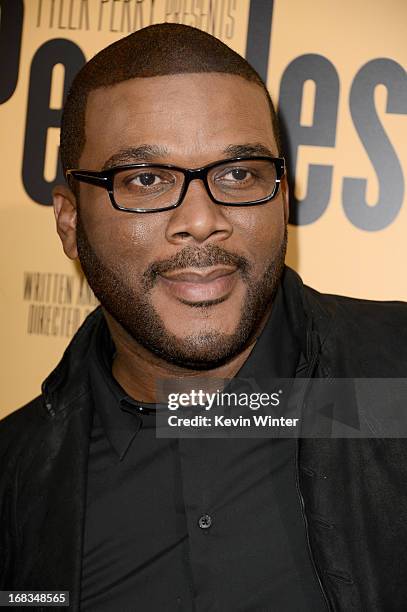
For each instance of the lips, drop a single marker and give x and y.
(200, 285)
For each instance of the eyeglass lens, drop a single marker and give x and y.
(152, 187)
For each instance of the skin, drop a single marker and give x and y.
(195, 123)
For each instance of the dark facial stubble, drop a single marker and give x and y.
(136, 314)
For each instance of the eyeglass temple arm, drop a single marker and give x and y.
(280, 163)
(93, 178)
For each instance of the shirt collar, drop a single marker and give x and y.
(113, 405)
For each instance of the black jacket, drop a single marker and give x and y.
(353, 491)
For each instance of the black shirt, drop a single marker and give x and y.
(193, 524)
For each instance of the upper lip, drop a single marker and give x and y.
(200, 275)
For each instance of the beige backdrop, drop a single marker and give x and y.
(43, 299)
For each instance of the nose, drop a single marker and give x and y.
(198, 219)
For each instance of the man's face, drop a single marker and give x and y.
(191, 284)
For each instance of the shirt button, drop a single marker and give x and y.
(205, 521)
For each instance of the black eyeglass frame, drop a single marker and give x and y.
(105, 179)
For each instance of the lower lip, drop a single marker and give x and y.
(194, 292)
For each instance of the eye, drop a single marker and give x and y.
(145, 179)
(236, 174)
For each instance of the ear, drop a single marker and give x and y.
(286, 197)
(65, 210)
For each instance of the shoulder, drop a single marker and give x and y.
(20, 434)
(364, 314)
(26, 417)
(20, 424)
(25, 429)
(370, 336)
(330, 314)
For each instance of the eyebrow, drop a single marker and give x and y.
(148, 152)
(131, 155)
(242, 150)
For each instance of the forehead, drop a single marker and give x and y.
(193, 116)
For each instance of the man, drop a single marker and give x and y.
(176, 204)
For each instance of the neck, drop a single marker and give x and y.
(137, 369)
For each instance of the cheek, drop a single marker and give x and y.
(124, 239)
(137, 242)
(143, 235)
(260, 232)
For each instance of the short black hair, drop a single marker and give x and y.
(157, 50)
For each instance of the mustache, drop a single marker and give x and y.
(192, 257)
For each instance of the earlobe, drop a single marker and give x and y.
(65, 210)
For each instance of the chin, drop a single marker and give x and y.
(205, 327)
(202, 350)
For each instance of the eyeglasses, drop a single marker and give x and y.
(147, 188)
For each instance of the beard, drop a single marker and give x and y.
(134, 310)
